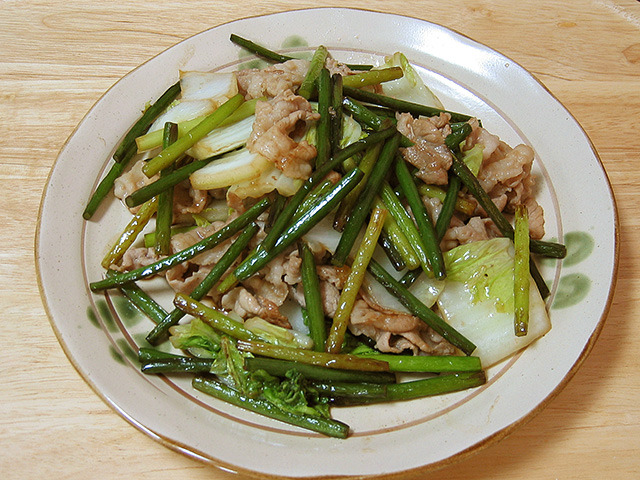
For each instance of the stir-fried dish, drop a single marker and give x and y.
(325, 228)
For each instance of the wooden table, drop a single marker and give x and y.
(58, 57)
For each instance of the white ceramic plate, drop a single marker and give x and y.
(100, 335)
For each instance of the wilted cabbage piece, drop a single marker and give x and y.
(477, 299)
(410, 86)
(196, 337)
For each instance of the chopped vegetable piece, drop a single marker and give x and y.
(399, 240)
(178, 365)
(335, 113)
(406, 225)
(142, 301)
(428, 363)
(352, 286)
(410, 87)
(313, 299)
(422, 218)
(343, 361)
(410, 277)
(317, 63)
(106, 184)
(186, 254)
(361, 113)
(197, 337)
(319, 424)
(391, 251)
(313, 372)
(419, 309)
(146, 354)
(346, 206)
(521, 271)
(323, 128)
(230, 169)
(372, 77)
(145, 121)
(360, 391)
(177, 149)
(213, 318)
(164, 216)
(130, 233)
(427, 387)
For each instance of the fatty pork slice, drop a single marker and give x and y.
(273, 80)
(429, 153)
(474, 230)
(278, 128)
(331, 280)
(505, 174)
(247, 304)
(396, 332)
(185, 276)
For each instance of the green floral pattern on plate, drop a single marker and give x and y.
(574, 286)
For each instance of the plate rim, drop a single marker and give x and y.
(194, 453)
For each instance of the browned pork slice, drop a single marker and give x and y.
(247, 305)
(185, 276)
(277, 130)
(474, 230)
(505, 174)
(263, 294)
(506, 177)
(429, 153)
(395, 332)
(332, 280)
(273, 80)
(136, 257)
(132, 180)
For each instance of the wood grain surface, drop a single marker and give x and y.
(58, 57)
